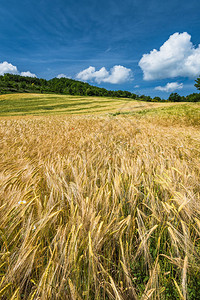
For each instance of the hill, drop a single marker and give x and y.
(45, 104)
(48, 104)
(99, 198)
(10, 83)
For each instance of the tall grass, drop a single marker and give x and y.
(99, 208)
(167, 114)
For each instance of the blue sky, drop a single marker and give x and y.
(106, 43)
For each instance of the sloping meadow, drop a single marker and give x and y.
(99, 208)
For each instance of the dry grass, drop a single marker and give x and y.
(44, 104)
(98, 208)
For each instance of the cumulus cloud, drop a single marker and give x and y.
(176, 57)
(6, 67)
(61, 76)
(117, 74)
(170, 87)
(28, 74)
(91, 74)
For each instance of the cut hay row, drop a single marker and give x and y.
(44, 104)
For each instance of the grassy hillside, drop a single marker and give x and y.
(99, 206)
(40, 104)
(179, 113)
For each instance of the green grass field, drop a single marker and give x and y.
(178, 113)
(42, 104)
(38, 104)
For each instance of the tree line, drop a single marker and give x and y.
(10, 83)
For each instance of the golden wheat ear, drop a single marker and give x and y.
(100, 207)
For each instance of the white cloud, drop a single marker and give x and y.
(91, 74)
(117, 74)
(176, 57)
(136, 86)
(28, 74)
(170, 87)
(61, 76)
(5, 67)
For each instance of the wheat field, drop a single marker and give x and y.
(99, 207)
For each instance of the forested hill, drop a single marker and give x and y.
(10, 83)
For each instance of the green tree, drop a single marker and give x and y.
(174, 97)
(197, 84)
(195, 97)
(89, 92)
(157, 99)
